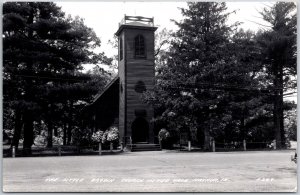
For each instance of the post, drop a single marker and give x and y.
(213, 146)
(189, 145)
(122, 146)
(275, 144)
(244, 145)
(59, 150)
(159, 143)
(14, 151)
(111, 146)
(100, 148)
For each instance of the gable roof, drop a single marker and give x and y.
(98, 96)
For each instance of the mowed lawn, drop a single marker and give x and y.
(159, 171)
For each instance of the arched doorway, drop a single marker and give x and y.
(140, 130)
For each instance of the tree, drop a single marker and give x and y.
(278, 45)
(162, 44)
(43, 50)
(211, 84)
(187, 83)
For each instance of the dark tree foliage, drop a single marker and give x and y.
(278, 47)
(187, 86)
(42, 54)
(211, 84)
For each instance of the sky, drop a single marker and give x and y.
(104, 17)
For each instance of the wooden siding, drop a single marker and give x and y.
(121, 71)
(132, 70)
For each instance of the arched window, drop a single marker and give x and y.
(139, 44)
(121, 48)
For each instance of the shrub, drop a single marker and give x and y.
(40, 140)
(97, 136)
(81, 137)
(57, 140)
(104, 137)
(113, 134)
(110, 135)
(163, 134)
(165, 139)
(9, 132)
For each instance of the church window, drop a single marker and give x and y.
(139, 43)
(121, 48)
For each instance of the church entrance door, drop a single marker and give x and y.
(140, 130)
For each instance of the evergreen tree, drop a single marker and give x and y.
(188, 83)
(43, 50)
(211, 84)
(278, 46)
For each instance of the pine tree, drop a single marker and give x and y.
(278, 45)
(210, 84)
(42, 50)
(187, 93)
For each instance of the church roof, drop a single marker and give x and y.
(105, 106)
(115, 81)
(111, 89)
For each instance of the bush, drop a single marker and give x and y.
(111, 135)
(81, 137)
(97, 136)
(165, 139)
(40, 140)
(104, 137)
(9, 133)
(57, 140)
(163, 134)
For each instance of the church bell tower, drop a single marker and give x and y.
(136, 74)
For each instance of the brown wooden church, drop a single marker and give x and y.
(120, 103)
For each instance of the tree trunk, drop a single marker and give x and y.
(55, 132)
(206, 127)
(50, 126)
(28, 133)
(277, 121)
(18, 129)
(65, 134)
(69, 133)
(206, 139)
(243, 129)
(70, 122)
(278, 109)
(50, 134)
(28, 118)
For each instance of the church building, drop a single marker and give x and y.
(121, 102)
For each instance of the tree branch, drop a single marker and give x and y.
(289, 93)
(160, 46)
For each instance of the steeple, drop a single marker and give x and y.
(136, 73)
